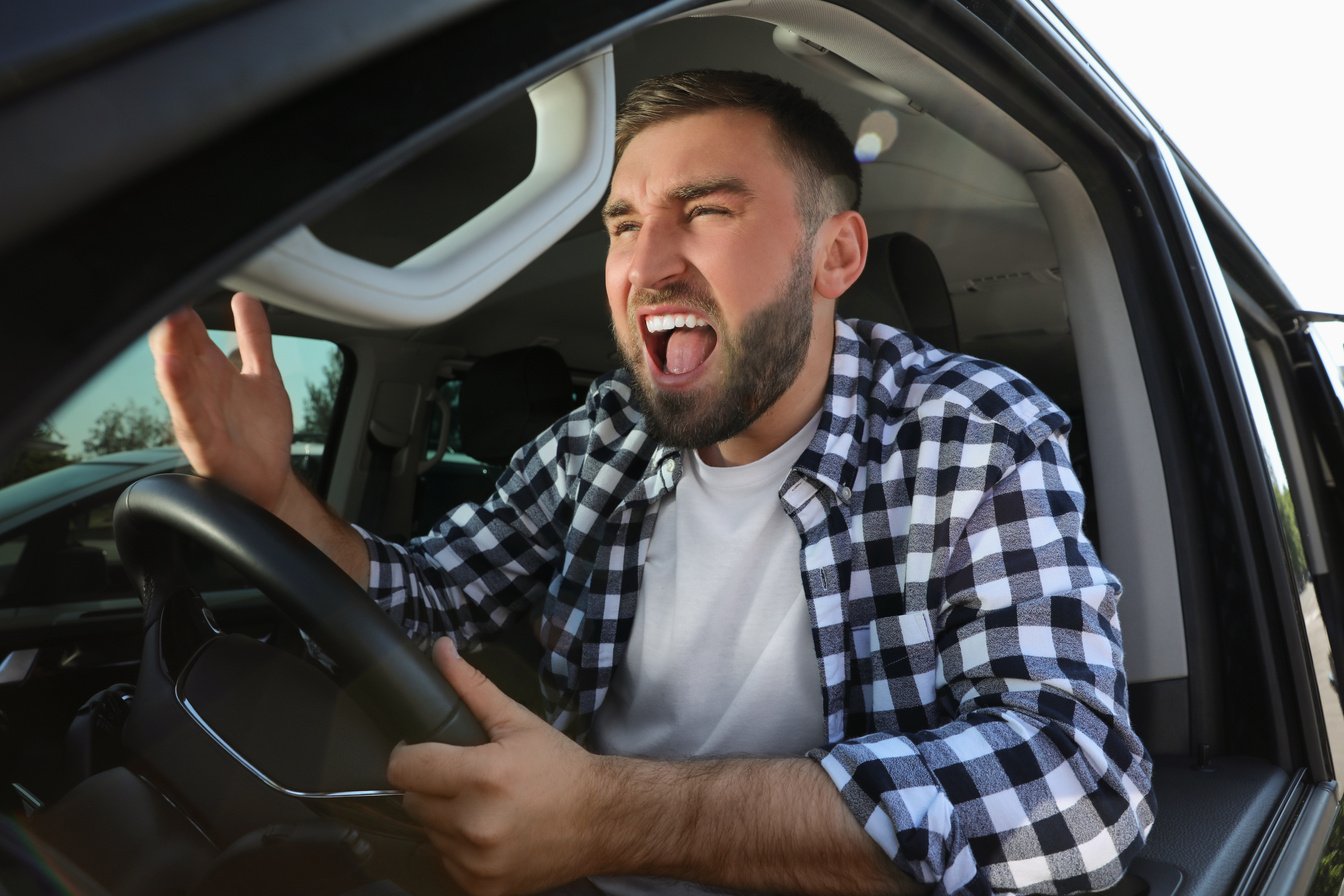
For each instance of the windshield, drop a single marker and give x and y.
(120, 410)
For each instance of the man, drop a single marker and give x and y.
(773, 535)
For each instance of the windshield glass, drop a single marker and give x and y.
(120, 410)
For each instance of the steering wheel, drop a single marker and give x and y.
(203, 694)
(247, 769)
(396, 682)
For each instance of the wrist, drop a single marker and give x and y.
(640, 817)
(602, 812)
(756, 824)
(293, 500)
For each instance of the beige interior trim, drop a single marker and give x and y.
(1133, 513)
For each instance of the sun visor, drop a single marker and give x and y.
(576, 114)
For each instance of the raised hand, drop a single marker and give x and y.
(234, 425)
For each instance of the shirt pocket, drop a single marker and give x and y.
(905, 666)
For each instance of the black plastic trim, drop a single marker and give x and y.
(42, 42)
(126, 112)
(1295, 859)
(1213, 819)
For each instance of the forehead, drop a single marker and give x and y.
(715, 144)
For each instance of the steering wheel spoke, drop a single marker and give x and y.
(187, 625)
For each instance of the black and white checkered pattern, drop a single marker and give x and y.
(967, 643)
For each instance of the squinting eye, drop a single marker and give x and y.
(624, 227)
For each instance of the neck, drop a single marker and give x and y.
(789, 413)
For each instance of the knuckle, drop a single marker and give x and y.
(475, 678)
(399, 773)
(487, 836)
(496, 780)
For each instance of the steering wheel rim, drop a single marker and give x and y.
(396, 681)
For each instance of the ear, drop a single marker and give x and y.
(842, 247)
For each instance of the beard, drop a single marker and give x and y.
(759, 363)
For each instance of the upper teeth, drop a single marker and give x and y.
(659, 322)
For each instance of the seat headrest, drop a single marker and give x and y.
(903, 285)
(510, 397)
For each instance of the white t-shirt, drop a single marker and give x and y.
(720, 659)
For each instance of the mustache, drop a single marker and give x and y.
(693, 298)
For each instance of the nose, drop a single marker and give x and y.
(656, 259)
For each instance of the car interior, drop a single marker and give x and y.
(993, 232)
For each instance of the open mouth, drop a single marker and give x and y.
(678, 342)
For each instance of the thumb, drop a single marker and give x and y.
(495, 710)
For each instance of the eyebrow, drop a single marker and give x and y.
(688, 192)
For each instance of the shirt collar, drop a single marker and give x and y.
(832, 459)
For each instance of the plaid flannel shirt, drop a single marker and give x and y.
(967, 643)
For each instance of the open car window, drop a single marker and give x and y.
(57, 492)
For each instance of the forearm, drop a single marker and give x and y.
(314, 520)
(775, 825)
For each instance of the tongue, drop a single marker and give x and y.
(687, 348)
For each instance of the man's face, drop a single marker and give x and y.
(709, 275)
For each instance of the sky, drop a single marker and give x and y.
(1249, 94)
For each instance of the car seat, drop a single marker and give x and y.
(506, 399)
(903, 285)
(510, 397)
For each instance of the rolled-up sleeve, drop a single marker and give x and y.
(1032, 780)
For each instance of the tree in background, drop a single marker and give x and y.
(1288, 512)
(44, 450)
(127, 427)
(321, 399)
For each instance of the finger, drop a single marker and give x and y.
(434, 769)
(181, 344)
(180, 333)
(181, 347)
(254, 334)
(495, 710)
(430, 811)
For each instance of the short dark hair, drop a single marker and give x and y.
(809, 138)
